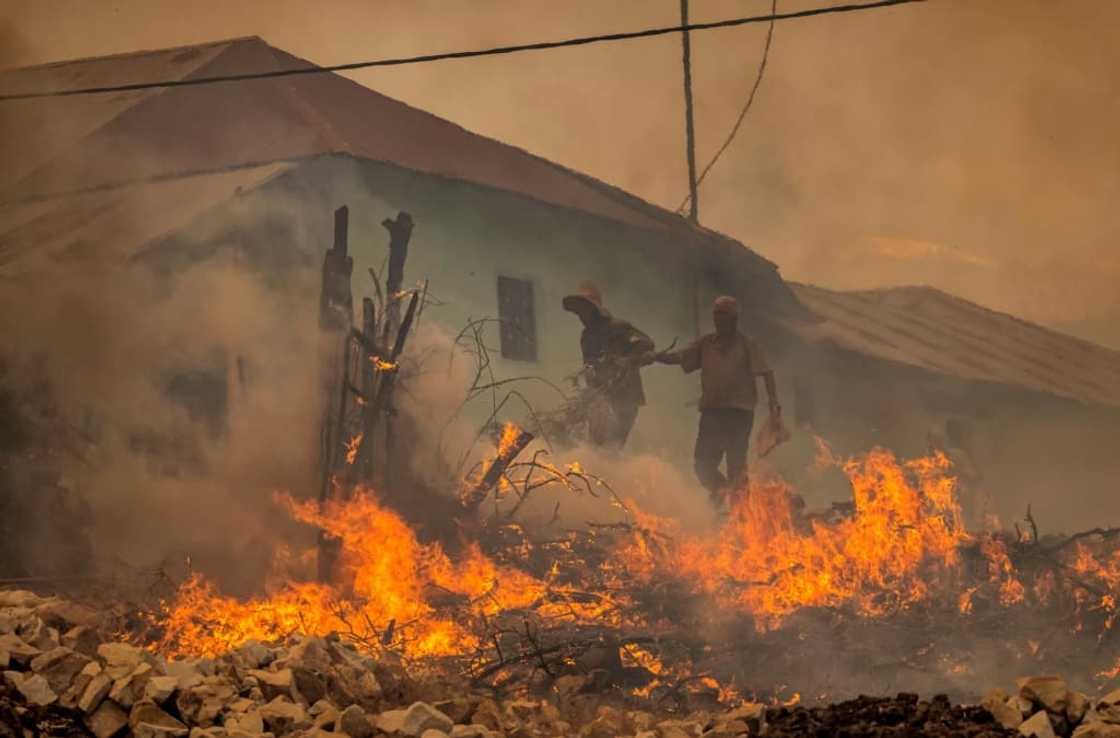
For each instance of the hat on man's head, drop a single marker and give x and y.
(726, 304)
(586, 293)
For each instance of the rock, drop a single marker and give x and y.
(82, 639)
(308, 685)
(751, 713)
(433, 733)
(34, 688)
(211, 733)
(354, 723)
(19, 652)
(59, 666)
(458, 709)
(96, 691)
(1038, 726)
(160, 688)
(254, 654)
(731, 729)
(488, 714)
(421, 716)
(36, 633)
(1112, 698)
(186, 673)
(1048, 692)
(5, 659)
(674, 729)
(107, 720)
(1005, 714)
(641, 721)
(366, 687)
(310, 652)
(64, 615)
(281, 715)
(21, 598)
(273, 683)
(202, 704)
(391, 721)
(249, 721)
(321, 707)
(469, 731)
(601, 727)
(1077, 707)
(121, 659)
(995, 695)
(148, 720)
(71, 696)
(328, 718)
(521, 710)
(1104, 713)
(129, 689)
(1097, 729)
(1025, 707)
(569, 685)
(645, 734)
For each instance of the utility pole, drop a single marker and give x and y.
(690, 135)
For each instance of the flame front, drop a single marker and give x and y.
(386, 575)
(904, 536)
(901, 547)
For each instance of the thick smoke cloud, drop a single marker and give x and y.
(170, 462)
(968, 145)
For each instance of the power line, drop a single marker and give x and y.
(495, 51)
(742, 113)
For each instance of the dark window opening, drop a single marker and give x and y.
(518, 323)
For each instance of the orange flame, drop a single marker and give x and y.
(352, 448)
(905, 532)
(386, 577)
(901, 547)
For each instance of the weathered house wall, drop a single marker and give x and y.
(465, 238)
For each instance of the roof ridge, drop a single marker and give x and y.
(137, 52)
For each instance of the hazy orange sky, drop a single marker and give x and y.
(967, 144)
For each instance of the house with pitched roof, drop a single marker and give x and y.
(162, 179)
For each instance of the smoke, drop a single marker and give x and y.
(190, 408)
(980, 128)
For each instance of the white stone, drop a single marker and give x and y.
(96, 691)
(1038, 726)
(421, 716)
(107, 720)
(33, 687)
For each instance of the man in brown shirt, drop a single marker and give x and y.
(729, 364)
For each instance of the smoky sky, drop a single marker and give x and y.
(966, 144)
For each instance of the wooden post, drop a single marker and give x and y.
(400, 232)
(336, 317)
(368, 386)
(690, 132)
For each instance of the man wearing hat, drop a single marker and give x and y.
(729, 364)
(613, 353)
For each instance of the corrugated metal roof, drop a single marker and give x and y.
(111, 224)
(925, 327)
(36, 132)
(114, 139)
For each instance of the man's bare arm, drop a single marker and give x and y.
(673, 358)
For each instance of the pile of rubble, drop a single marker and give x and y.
(62, 677)
(1045, 707)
